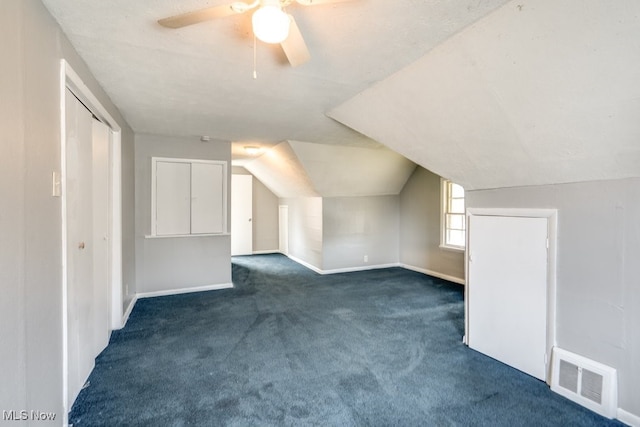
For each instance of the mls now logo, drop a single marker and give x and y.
(25, 415)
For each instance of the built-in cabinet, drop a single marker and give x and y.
(188, 197)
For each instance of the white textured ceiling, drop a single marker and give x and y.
(198, 80)
(538, 92)
(303, 169)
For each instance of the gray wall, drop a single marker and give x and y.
(420, 227)
(31, 46)
(357, 226)
(333, 233)
(265, 215)
(598, 291)
(305, 229)
(176, 262)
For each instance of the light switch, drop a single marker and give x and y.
(56, 186)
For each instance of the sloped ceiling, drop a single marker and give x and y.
(302, 169)
(198, 80)
(281, 172)
(538, 92)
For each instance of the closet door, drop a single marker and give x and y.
(87, 252)
(507, 290)
(101, 136)
(79, 217)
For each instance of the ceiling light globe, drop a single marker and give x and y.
(271, 24)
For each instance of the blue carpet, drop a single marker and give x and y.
(287, 346)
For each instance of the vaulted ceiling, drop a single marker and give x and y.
(487, 92)
(538, 92)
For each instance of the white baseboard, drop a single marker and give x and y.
(185, 290)
(273, 251)
(127, 313)
(378, 266)
(340, 270)
(628, 418)
(434, 274)
(360, 268)
(305, 264)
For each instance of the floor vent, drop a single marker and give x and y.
(587, 382)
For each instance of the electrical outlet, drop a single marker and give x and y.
(366, 258)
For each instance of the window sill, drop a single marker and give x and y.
(453, 248)
(169, 236)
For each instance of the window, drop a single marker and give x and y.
(188, 197)
(453, 222)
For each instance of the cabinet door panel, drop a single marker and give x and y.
(173, 198)
(207, 198)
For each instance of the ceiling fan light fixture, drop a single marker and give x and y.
(271, 24)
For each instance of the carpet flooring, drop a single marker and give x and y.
(289, 347)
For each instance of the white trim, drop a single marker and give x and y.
(127, 313)
(116, 229)
(70, 79)
(552, 232)
(376, 267)
(63, 203)
(304, 264)
(272, 251)
(169, 236)
(628, 418)
(361, 268)
(434, 274)
(185, 290)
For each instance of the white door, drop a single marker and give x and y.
(283, 227)
(507, 290)
(87, 224)
(101, 221)
(241, 214)
(80, 291)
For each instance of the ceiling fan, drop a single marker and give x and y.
(271, 24)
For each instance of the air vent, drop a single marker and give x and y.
(587, 382)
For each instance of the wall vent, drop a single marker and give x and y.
(587, 382)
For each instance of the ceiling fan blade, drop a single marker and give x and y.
(294, 46)
(197, 16)
(314, 2)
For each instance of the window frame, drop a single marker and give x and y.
(445, 197)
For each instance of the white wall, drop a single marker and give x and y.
(598, 290)
(420, 208)
(305, 229)
(172, 263)
(355, 227)
(31, 46)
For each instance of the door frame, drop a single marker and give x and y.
(551, 216)
(238, 177)
(69, 79)
(283, 229)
